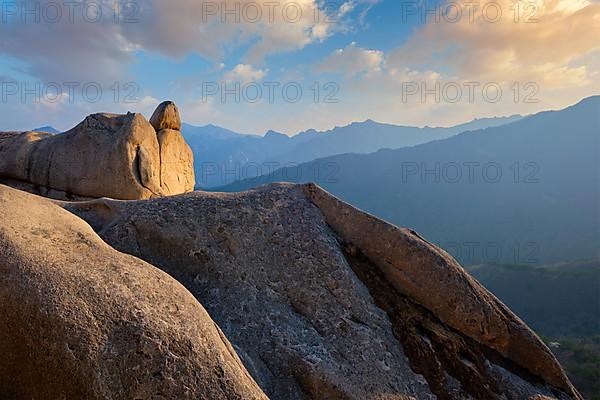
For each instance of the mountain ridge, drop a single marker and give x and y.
(229, 157)
(548, 177)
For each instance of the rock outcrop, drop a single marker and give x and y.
(319, 300)
(324, 301)
(433, 279)
(80, 320)
(106, 155)
(166, 116)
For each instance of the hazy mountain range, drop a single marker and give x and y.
(524, 192)
(223, 156)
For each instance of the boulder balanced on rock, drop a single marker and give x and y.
(166, 116)
(167, 124)
(106, 155)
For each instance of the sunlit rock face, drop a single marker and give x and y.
(106, 155)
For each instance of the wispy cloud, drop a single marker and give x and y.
(244, 73)
(352, 60)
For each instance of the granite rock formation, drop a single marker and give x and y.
(319, 300)
(80, 320)
(324, 301)
(106, 155)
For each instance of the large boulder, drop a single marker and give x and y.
(106, 155)
(324, 301)
(166, 116)
(80, 320)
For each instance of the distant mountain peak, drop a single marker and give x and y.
(48, 129)
(367, 122)
(310, 131)
(271, 134)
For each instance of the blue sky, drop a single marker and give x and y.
(352, 60)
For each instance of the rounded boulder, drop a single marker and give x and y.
(166, 116)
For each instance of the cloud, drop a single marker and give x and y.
(352, 60)
(528, 43)
(146, 105)
(65, 52)
(95, 40)
(347, 7)
(244, 73)
(560, 53)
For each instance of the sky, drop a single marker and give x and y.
(293, 65)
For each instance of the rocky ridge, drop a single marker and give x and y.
(319, 297)
(284, 292)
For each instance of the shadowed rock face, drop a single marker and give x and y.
(433, 279)
(80, 320)
(106, 155)
(324, 301)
